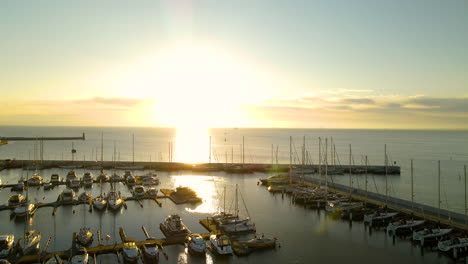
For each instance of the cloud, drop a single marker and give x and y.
(113, 101)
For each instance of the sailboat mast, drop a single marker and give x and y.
(465, 195)
(209, 149)
(350, 161)
(290, 159)
(303, 157)
(438, 185)
(320, 160)
(224, 200)
(133, 149)
(272, 159)
(243, 149)
(237, 204)
(102, 148)
(386, 176)
(366, 179)
(326, 164)
(412, 186)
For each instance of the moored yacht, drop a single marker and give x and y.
(378, 217)
(195, 244)
(6, 245)
(114, 201)
(75, 184)
(260, 241)
(130, 180)
(15, 199)
(403, 225)
(54, 179)
(24, 209)
(80, 257)
(71, 175)
(454, 247)
(30, 243)
(115, 177)
(220, 244)
(152, 192)
(88, 179)
(102, 177)
(173, 226)
(67, 195)
(130, 252)
(84, 196)
(35, 180)
(99, 203)
(430, 236)
(150, 251)
(138, 191)
(84, 237)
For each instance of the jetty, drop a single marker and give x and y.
(212, 167)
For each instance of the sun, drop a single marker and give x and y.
(202, 86)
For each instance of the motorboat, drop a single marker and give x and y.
(24, 209)
(278, 179)
(102, 177)
(55, 179)
(454, 247)
(338, 206)
(260, 241)
(75, 184)
(138, 191)
(152, 192)
(239, 226)
(195, 244)
(84, 196)
(85, 236)
(403, 225)
(115, 177)
(429, 236)
(55, 259)
(127, 174)
(80, 257)
(220, 244)
(130, 252)
(150, 251)
(130, 180)
(71, 175)
(19, 187)
(67, 195)
(47, 185)
(30, 243)
(99, 203)
(378, 217)
(88, 179)
(35, 180)
(114, 201)
(149, 179)
(173, 226)
(15, 199)
(6, 245)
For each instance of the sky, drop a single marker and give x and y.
(305, 64)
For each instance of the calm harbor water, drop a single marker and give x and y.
(305, 235)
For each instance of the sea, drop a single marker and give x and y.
(304, 235)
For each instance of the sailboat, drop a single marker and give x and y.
(31, 241)
(234, 224)
(100, 202)
(381, 217)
